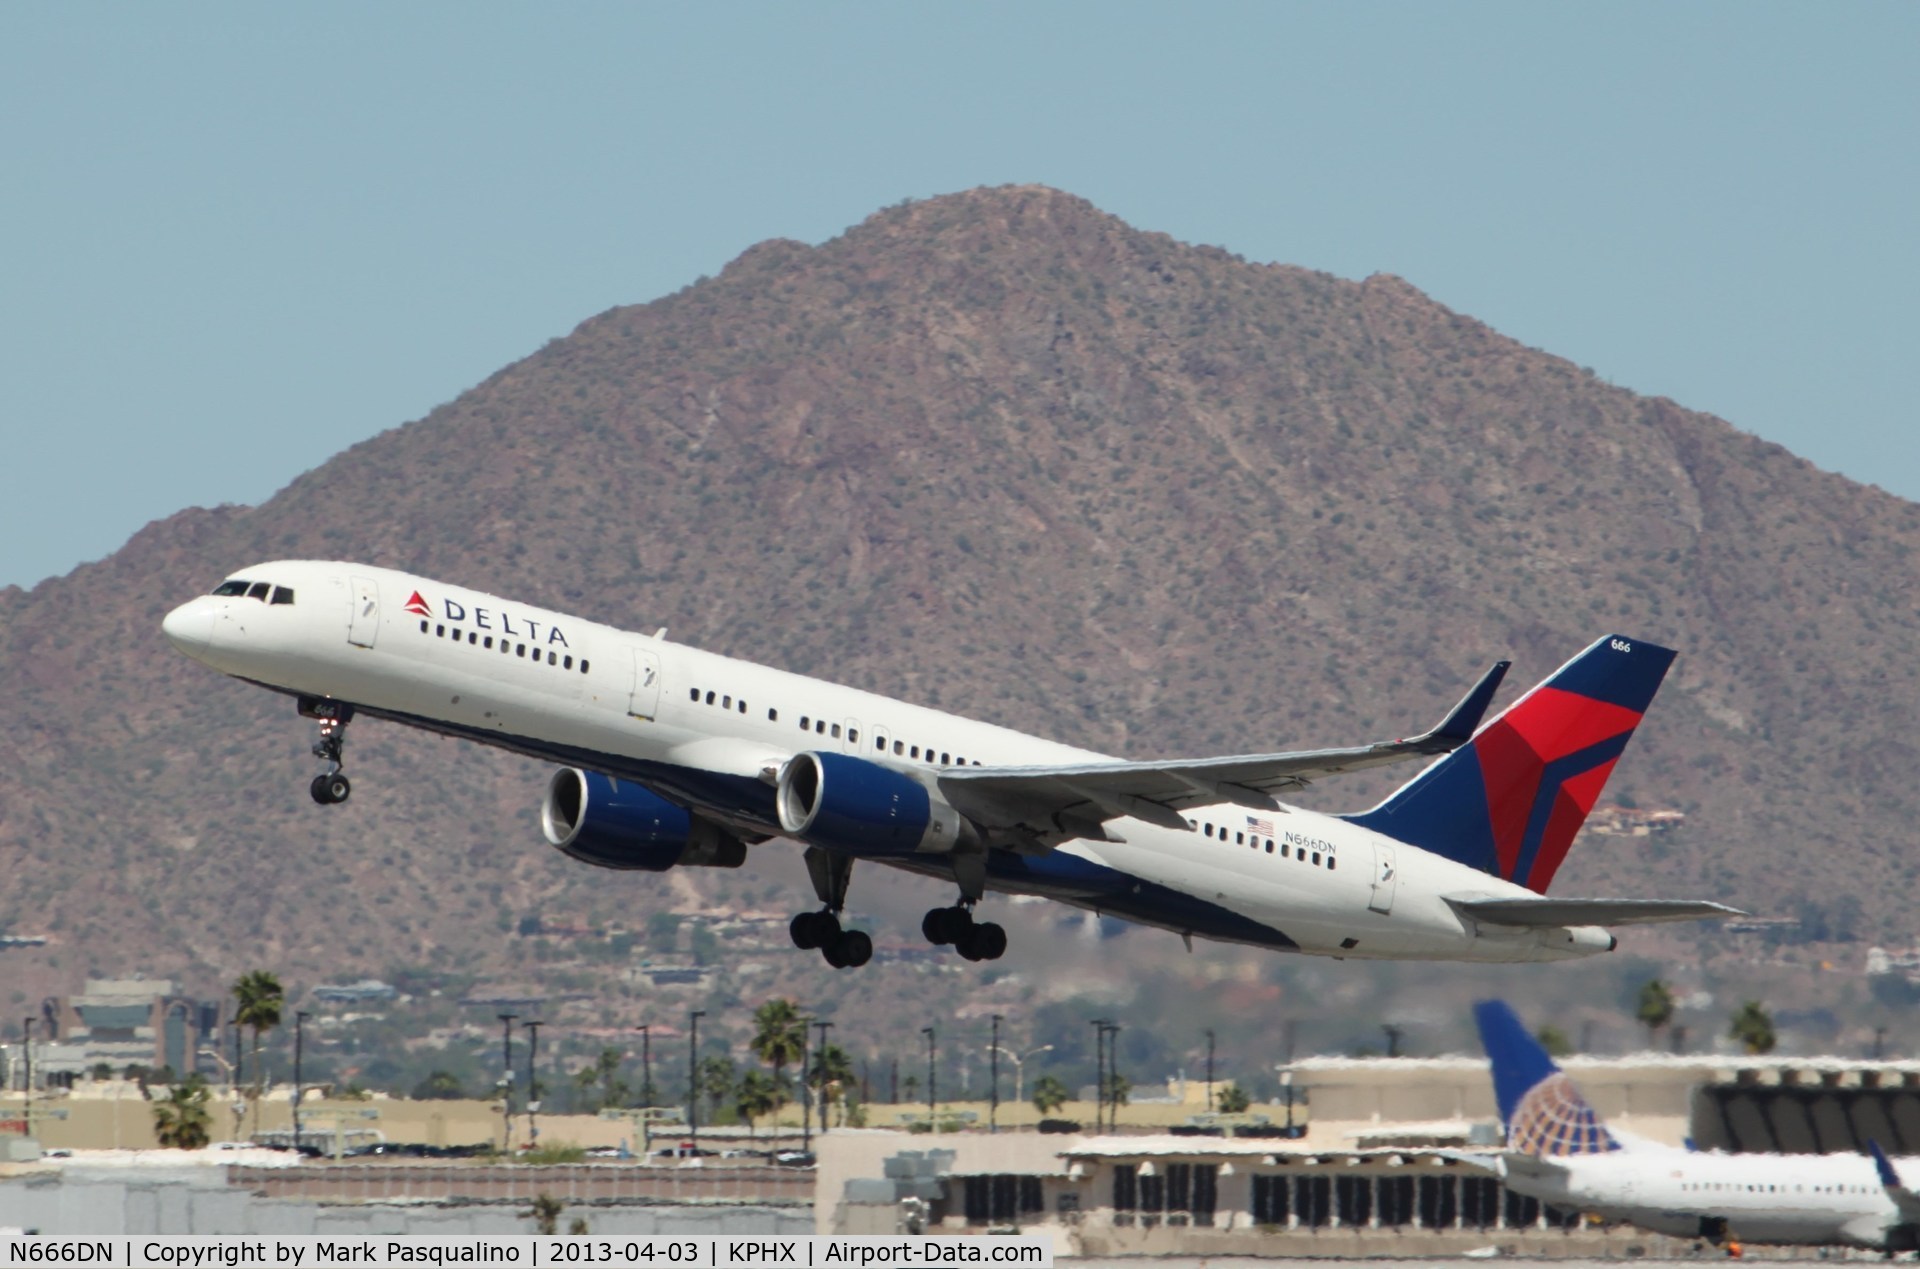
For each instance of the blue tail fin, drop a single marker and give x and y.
(1510, 800)
(1543, 1111)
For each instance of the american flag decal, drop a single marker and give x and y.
(1255, 825)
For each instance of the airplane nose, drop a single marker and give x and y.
(189, 627)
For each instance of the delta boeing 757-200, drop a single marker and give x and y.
(670, 756)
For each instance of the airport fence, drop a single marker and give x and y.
(508, 1183)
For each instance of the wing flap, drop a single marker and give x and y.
(1532, 913)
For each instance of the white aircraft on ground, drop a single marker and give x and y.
(673, 756)
(1558, 1151)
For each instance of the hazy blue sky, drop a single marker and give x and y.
(239, 237)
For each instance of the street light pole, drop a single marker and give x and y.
(1099, 1071)
(993, 1106)
(533, 1086)
(646, 1064)
(299, 1037)
(1113, 1076)
(1209, 1071)
(819, 1055)
(506, 1078)
(933, 1114)
(806, 1103)
(26, 1083)
(693, 1075)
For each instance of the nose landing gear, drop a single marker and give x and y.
(331, 786)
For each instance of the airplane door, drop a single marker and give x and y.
(1385, 878)
(366, 612)
(644, 700)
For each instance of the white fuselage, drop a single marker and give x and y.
(1809, 1199)
(710, 732)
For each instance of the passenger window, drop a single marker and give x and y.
(743, 707)
(566, 663)
(1316, 859)
(520, 649)
(945, 761)
(1331, 861)
(472, 639)
(773, 715)
(819, 726)
(726, 702)
(583, 667)
(1238, 838)
(487, 643)
(235, 587)
(258, 591)
(914, 752)
(1269, 848)
(899, 746)
(709, 698)
(853, 735)
(836, 731)
(439, 632)
(1209, 830)
(804, 725)
(282, 595)
(423, 627)
(880, 743)
(693, 694)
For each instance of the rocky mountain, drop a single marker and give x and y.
(1000, 453)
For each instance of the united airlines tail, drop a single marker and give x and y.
(1510, 800)
(1544, 1113)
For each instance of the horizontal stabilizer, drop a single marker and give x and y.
(1533, 913)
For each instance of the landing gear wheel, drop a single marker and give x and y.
(855, 948)
(991, 940)
(836, 954)
(814, 929)
(946, 925)
(329, 789)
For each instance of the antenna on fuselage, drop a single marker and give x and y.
(661, 634)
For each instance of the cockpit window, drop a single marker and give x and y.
(258, 591)
(282, 594)
(235, 587)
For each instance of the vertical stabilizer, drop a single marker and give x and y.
(1544, 1112)
(1510, 800)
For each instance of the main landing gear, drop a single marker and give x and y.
(975, 940)
(842, 949)
(332, 785)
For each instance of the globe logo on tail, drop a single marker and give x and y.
(1553, 1119)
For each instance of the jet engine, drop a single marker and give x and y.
(858, 807)
(613, 824)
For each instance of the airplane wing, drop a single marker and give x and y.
(1157, 791)
(1557, 912)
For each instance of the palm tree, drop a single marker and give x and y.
(718, 1076)
(779, 1036)
(757, 1095)
(1752, 1026)
(260, 1001)
(1656, 1008)
(832, 1073)
(1049, 1094)
(181, 1121)
(1233, 1100)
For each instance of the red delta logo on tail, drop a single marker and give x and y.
(1512, 799)
(418, 606)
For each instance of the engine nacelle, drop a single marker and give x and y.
(858, 807)
(612, 824)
